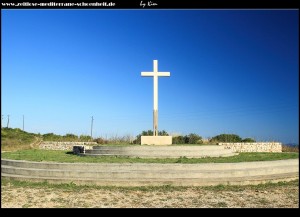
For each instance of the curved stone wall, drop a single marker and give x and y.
(139, 174)
(160, 151)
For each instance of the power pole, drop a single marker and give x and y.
(7, 121)
(92, 128)
(1, 121)
(23, 122)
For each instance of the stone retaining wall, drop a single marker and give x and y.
(254, 146)
(151, 174)
(65, 145)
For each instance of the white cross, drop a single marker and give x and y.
(155, 75)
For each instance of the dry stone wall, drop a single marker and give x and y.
(65, 145)
(254, 146)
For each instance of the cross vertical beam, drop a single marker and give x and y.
(92, 128)
(155, 98)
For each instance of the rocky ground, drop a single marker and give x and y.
(269, 197)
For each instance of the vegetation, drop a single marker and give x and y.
(248, 140)
(187, 139)
(66, 138)
(16, 139)
(63, 156)
(227, 138)
(115, 140)
(230, 138)
(287, 148)
(194, 139)
(163, 188)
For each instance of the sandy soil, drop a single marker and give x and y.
(279, 196)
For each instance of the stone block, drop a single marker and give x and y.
(156, 140)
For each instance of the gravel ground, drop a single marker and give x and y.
(269, 197)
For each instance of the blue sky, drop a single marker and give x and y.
(232, 71)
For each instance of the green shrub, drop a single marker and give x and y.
(70, 137)
(248, 140)
(101, 141)
(194, 139)
(226, 138)
(188, 139)
(178, 140)
(85, 138)
(51, 137)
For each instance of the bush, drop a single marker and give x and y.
(162, 133)
(70, 137)
(178, 140)
(101, 141)
(51, 137)
(287, 148)
(194, 139)
(248, 140)
(85, 138)
(188, 139)
(226, 138)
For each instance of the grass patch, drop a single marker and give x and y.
(68, 157)
(165, 188)
(259, 187)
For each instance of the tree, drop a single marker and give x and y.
(194, 139)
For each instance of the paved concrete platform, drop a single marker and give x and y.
(161, 151)
(139, 174)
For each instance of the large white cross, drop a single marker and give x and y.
(155, 75)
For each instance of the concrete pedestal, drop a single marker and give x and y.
(156, 140)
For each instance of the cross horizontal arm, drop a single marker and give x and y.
(164, 74)
(161, 74)
(147, 74)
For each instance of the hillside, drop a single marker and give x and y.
(17, 139)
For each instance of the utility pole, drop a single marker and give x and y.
(23, 122)
(7, 121)
(1, 121)
(92, 128)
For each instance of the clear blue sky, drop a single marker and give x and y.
(232, 71)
